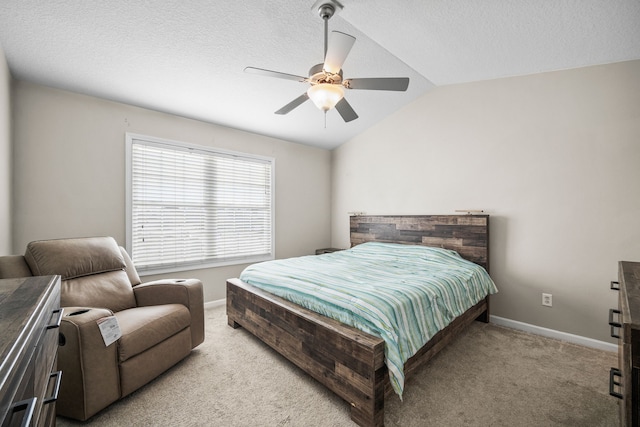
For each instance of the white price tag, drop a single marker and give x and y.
(110, 329)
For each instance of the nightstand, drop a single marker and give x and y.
(327, 250)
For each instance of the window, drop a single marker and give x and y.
(193, 207)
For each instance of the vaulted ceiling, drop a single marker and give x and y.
(187, 57)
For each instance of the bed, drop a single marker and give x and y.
(345, 359)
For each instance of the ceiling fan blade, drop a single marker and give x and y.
(277, 74)
(293, 104)
(378, 83)
(345, 110)
(339, 47)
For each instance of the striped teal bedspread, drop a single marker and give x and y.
(404, 294)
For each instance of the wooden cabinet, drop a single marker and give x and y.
(624, 381)
(30, 315)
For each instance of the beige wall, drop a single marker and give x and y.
(554, 158)
(70, 173)
(5, 155)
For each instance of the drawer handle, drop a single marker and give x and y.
(28, 406)
(57, 323)
(615, 286)
(56, 388)
(613, 324)
(612, 332)
(612, 312)
(613, 373)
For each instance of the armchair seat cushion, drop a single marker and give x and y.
(144, 327)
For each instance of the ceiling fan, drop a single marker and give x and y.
(327, 84)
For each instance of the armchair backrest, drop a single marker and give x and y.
(93, 269)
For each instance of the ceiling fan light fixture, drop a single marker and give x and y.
(325, 96)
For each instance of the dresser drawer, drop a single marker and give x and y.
(47, 379)
(48, 341)
(625, 380)
(618, 375)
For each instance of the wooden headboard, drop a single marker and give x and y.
(466, 234)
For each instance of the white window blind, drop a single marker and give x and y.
(192, 207)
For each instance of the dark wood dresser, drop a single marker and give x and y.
(624, 381)
(30, 315)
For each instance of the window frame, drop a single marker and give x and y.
(179, 145)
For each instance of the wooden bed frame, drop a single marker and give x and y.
(344, 359)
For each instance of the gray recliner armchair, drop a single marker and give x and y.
(160, 321)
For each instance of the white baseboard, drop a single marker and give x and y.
(217, 303)
(551, 333)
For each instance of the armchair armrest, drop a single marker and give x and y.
(13, 266)
(91, 376)
(187, 292)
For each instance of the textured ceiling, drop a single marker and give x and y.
(187, 58)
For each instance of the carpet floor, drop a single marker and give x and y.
(489, 376)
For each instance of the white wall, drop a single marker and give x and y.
(70, 173)
(554, 158)
(5, 155)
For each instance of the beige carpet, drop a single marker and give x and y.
(490, 376)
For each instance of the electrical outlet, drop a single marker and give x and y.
(547, 300)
